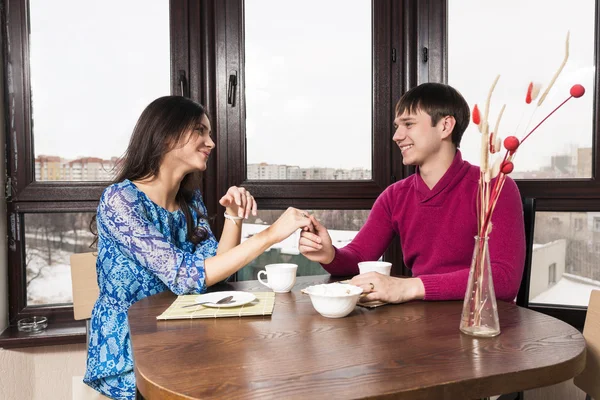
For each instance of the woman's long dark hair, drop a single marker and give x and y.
(159, 129)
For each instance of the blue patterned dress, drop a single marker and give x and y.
(142, 250)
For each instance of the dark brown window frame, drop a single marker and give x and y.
(199, 30)
(25, 195)
(553, 194)
(229, 119)
(396, 27)
(550, 194)
(414, 27)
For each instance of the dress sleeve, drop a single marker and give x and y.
(507, 254)
(122, 220)
(370, 242)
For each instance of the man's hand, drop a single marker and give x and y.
(389, 289)
(315, 244)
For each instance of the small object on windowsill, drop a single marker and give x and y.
(33, 324)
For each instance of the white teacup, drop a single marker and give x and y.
(383, 267)
(281, 277)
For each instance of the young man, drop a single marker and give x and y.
(433, 212)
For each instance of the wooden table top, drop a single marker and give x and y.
(406, 351)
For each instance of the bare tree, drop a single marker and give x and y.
(36, 275)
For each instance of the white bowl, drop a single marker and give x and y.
(334, 300)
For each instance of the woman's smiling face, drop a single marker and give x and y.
(195, 148)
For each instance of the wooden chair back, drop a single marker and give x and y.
(589, 379)
(85, 284)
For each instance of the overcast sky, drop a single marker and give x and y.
(524, 41)
(95, 65)
(308, 74)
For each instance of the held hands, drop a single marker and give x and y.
(290, 221)
(316, 244)
(238, 202)
(389, 289)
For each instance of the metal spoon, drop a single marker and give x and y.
(224, 300)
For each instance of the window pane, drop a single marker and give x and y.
(93, 71)
(524, 41)
(343, 225)
(565, 265)
(308, 93)
(50, 239)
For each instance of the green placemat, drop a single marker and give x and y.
(263, 305)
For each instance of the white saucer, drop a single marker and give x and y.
(239, 299)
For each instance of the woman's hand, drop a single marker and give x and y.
(238, 201)
(389, 289)
(290, 221)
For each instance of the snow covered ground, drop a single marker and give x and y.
(53, 285)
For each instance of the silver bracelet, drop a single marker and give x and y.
(231, 217)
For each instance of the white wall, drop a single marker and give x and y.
(40, 373)
(543, 256)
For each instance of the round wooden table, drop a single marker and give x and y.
(406, 351)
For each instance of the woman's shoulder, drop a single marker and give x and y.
(120, 191)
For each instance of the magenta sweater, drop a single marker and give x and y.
(436, 229)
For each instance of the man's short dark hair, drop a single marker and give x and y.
(439, 101)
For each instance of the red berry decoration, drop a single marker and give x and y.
(577, 91)
(511, 143)
(476, 116)
(507, 167)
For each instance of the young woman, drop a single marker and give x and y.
(153, 234)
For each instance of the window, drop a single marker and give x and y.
(80, 75)
(570, 257)
(60, 158)
(343, 225)
(50, 239)
(210, 51)
(299, 89)
(106, 76)
(552, 274)
(559, 170)
(309, 112)
(282, 109)
(596, 224)
(539, 43)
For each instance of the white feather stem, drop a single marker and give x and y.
(557, 73)
(498, 120)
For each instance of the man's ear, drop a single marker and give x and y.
(448, 123)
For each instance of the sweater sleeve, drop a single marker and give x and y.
(507, 254)
(370, 242)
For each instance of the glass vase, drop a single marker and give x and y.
(480, 311)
